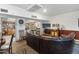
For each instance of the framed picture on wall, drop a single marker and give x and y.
(55, 25)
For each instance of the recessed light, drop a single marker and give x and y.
(44, 10)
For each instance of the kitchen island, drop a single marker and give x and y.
(50, 45)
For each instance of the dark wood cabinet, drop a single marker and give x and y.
(48, 45)
(37, 43)
(33, 41)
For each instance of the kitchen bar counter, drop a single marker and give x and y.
(48, 45)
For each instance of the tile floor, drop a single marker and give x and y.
(21, 47)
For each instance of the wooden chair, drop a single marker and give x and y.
(7, 48)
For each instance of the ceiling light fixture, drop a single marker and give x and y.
(44, 10)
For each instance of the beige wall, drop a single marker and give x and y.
(68, 20)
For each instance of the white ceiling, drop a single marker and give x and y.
(52, 9)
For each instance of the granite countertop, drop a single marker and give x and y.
(48, 37)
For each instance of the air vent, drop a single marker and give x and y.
(34, 8)
(34, 16)
(4, 10)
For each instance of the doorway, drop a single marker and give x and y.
(8, 26)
